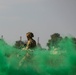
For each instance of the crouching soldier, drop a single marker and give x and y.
(30, 45)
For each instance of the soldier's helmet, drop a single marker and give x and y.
(29, 35)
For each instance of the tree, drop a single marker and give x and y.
(55, 39)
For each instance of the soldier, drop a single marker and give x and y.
(31, 43)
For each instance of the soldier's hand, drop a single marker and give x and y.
(23, 48)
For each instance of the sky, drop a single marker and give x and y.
(42, 17)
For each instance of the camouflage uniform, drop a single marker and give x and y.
(31, 42)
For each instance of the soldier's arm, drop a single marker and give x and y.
(28, 45)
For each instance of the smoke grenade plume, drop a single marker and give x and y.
(59, 60)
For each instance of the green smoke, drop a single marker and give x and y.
(59, 60)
